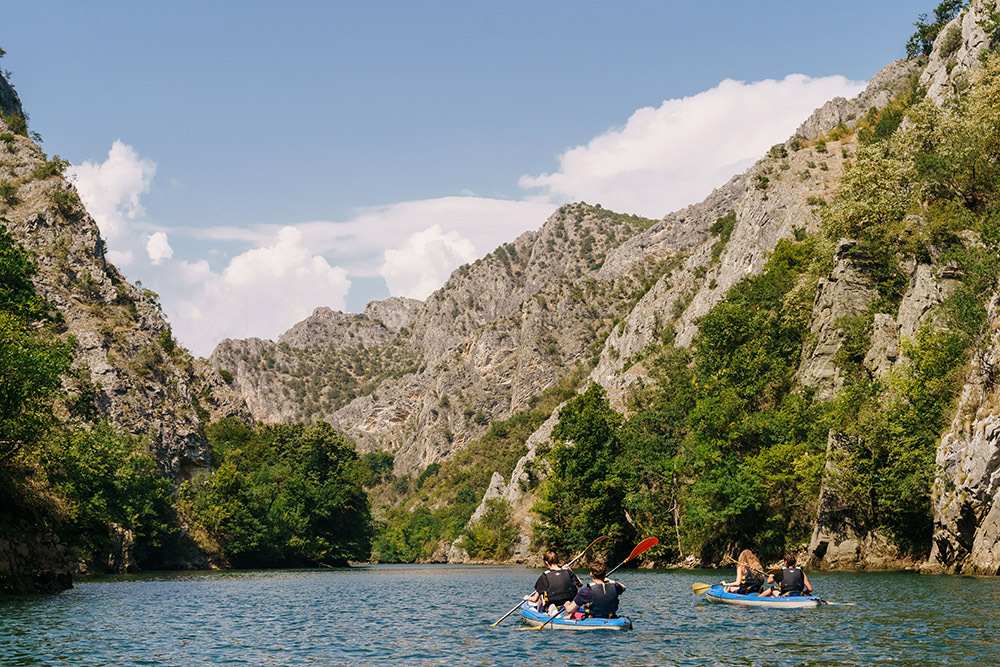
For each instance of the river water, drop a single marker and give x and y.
(441, 615)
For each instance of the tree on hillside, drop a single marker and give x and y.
(921, 42)
(31, 357)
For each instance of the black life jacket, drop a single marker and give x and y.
(604, 601)
(793, 581)
(559, 586)
(752, 582)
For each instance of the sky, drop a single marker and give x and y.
(252, 161)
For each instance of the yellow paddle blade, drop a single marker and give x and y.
(700, 588)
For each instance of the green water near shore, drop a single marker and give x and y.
(441, 615)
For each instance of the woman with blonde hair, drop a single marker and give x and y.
(749, 575)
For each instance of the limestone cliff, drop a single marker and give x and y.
(500, 331)
(967, 488)
(128, 369)
(967, 534)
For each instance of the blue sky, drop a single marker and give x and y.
(250, 161)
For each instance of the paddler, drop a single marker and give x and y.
(599, 598)
(792, 579)
(749, 575)
(554, 587)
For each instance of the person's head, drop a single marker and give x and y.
(789, 560)
(747, 559)
(598, 570)
(551, 558)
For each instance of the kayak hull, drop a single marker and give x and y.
(718, 594)
(533, 618)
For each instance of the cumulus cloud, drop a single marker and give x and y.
(674, 155)
(158, 247)
(660, 160)
(359, 243)
(111, 190)
(262, 292)
(424, 262)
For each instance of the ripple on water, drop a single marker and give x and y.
(437, 615)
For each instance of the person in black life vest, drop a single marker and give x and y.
(556, 586)
(749, 575)
(792, 579)
(599, 598)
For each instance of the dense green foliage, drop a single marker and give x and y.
(719, 451)
(120, 508)
(725, 450)
(281, 495)
(93, 486)
(31, 357)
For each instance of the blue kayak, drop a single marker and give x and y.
(718, 594)
(534, 618)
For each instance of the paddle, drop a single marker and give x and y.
(700, 588)
(569, 564)
(640, 548)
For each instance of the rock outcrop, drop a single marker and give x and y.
(966, 491)
(127, 368)
(498, 333)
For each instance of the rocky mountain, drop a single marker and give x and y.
(598, 291)
(128, 369)
(421, 380)
(780, 197)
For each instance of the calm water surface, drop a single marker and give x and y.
(441, 615)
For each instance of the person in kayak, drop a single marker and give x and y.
(554, 587)
(792, 580)
(599, 598)
(749, 575)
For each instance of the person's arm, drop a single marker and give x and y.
(621, 587)
(571, 606)
(739, 577)
(533, 598)
(805, 580)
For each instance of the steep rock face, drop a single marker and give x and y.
(10, 104)
(499, 332)
(127, 362)
(966, 491)
(781, 193)
(956, 51)
(394, 313)
(837, 542)
(32, 561)
(886, 84)
(846, 292)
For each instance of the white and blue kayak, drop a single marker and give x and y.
(534, 618)
(718, 594)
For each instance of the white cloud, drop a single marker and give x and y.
(359, 243)
(661, 160)
(261, 293)
(666, 158)
(425, 261)
(158, 247)
(110, 190)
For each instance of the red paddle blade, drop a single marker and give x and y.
(643, 546)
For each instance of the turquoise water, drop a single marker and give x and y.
(441, 615)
